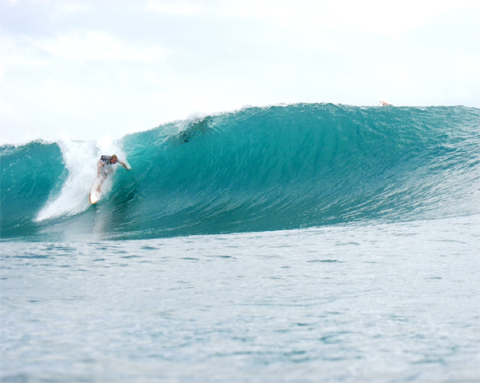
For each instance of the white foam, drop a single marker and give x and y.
(80, 158)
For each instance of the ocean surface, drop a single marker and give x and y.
(291, 243)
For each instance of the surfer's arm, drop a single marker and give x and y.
(123, 164)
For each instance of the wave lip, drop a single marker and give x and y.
(257, 169)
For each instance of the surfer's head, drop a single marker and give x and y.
(114, 159)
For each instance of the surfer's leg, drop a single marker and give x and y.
(100, 184)
(104, 174)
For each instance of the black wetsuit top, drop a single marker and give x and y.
(107, 160)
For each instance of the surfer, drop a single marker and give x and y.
(384, 103)
(104, 167)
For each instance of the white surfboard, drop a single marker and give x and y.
(95, 195)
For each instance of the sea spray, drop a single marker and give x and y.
(80, 160)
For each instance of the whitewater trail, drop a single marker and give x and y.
(80, 159)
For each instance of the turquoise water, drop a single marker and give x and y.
(257, 169)
(299, 243)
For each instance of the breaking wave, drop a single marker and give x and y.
(257, 169)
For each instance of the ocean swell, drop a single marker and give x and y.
(257, 169)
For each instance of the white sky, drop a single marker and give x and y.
(86, 69)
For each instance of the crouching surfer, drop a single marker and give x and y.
(104, 167)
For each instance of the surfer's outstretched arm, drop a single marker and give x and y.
(124, 165)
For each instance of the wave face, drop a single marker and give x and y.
(258, 169)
